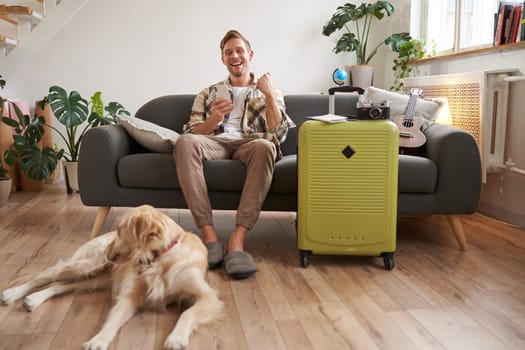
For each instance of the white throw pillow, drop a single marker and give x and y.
(152, 136)
(428, 109)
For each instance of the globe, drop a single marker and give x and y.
(339, 76)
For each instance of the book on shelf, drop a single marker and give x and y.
(507, 22)
(522, 22)
(516, 20)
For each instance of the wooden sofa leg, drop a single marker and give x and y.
(99, 220)
(457, 227)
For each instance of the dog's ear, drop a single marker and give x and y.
(130, 225)
(143, 228)
(121, 245)
(125, 222)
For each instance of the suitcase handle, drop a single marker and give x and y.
(333, 90)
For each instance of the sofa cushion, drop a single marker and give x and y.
(150, 135)
(222, 175)
(229, 175)
(156, 170)
(416, 174)
(148, 170)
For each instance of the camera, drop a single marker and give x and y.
(373, 110)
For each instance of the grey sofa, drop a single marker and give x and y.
(114, 170)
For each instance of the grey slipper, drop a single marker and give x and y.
(215, 254)
(239, 264)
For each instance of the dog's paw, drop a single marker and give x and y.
(96, 343)
(31, 302)
(9, 296)
(175, 342)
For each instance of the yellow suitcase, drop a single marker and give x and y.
(347, 189)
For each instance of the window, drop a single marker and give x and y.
(454, 25)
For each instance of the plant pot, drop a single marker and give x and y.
(30, 185)
(71, 176)
(5, 190)
(362, 75)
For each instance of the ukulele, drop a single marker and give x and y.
(409, 125)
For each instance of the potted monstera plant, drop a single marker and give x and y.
(77, 116)
(356, 23)
(34, 161)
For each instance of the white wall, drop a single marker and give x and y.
(133, 51)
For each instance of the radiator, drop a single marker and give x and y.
(478, 104)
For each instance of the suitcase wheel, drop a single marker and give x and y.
(388, 260)
(304, 258)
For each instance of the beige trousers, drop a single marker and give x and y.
(258, 155)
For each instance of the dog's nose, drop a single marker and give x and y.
(144, 261)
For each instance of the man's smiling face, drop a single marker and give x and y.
(236, 57)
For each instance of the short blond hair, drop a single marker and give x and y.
(234, 34)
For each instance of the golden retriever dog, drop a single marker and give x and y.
(149, 262)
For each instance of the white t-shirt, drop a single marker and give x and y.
(233, 126)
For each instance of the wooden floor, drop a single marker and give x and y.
(437, 297)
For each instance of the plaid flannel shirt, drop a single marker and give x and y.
(253, 120)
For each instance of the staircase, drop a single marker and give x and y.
(26, 25)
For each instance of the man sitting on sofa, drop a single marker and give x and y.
(246, 122)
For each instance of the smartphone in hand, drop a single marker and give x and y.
(222, 91)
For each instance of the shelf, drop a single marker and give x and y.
(475, 52)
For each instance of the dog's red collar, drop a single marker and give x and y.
(172, 244)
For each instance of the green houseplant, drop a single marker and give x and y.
(77, 115)
(356, 23)
(363, 17)
(409, 51)
(35, 162)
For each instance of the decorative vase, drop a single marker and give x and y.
(71, 176)
(361, 75)
(6, 185)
